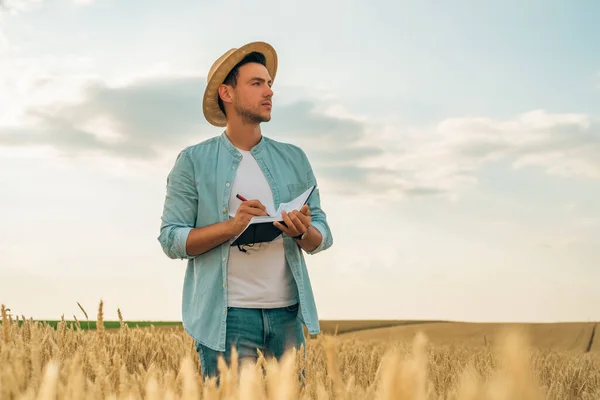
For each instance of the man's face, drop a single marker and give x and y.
(252, 94)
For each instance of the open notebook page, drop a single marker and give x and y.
(295, 204)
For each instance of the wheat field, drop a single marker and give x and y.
(40, 362)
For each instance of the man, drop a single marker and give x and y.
(251, 297)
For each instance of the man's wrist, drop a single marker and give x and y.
(304, 235)
(312, 239)
(230, 228)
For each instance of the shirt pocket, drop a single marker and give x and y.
(297, 188)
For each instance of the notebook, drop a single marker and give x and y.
(261, 229)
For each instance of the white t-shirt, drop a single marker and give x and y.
(260, 277)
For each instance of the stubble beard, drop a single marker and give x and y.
(250, 117)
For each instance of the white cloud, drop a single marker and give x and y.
(448, 155)
(338, 111)
(47, 81)
(353, 153)
(27, 82)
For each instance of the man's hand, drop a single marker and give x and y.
(296, 222)
(247, 210)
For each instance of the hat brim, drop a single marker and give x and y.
(210, 101)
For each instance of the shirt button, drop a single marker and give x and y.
(225, 209)
(224, 259)
(227, 184)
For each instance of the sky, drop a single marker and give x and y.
(456, 147)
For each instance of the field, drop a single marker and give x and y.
(328, 326)
(575, 337)
(418, 360)
(112, 324)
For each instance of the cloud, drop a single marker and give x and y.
(442, 159)
(144, 118)
(561, 144)
(134, 120)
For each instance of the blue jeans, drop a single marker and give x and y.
(272, 330)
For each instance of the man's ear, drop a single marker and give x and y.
(224, 93)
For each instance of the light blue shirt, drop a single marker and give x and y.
(197, 195)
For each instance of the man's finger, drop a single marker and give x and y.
(300, 226)
(305, 210)
(302, 217)
(288, 221)
(255, 203)
(252, 210)
(281, 227)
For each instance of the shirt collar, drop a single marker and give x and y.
(234, 152)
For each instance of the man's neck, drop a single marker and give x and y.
(243, 136)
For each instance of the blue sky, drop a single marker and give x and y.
(457, 147)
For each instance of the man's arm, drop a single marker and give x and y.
(312, 240)
(180, 208)
(321, 232)
(297, 223)
(201, 240)
(178, 236)
(310, 216)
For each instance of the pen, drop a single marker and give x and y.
(242, 198)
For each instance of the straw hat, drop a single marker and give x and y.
(221, 68)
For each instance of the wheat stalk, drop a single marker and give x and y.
(68, 363)
(121, 322)
(5, 325)
(100, 321)
(84, 313)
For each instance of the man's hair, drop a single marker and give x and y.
(231, 78)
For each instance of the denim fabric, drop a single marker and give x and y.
(197, 195)
(272, 331)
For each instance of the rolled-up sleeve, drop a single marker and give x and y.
(180, 208)
(327, 237)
